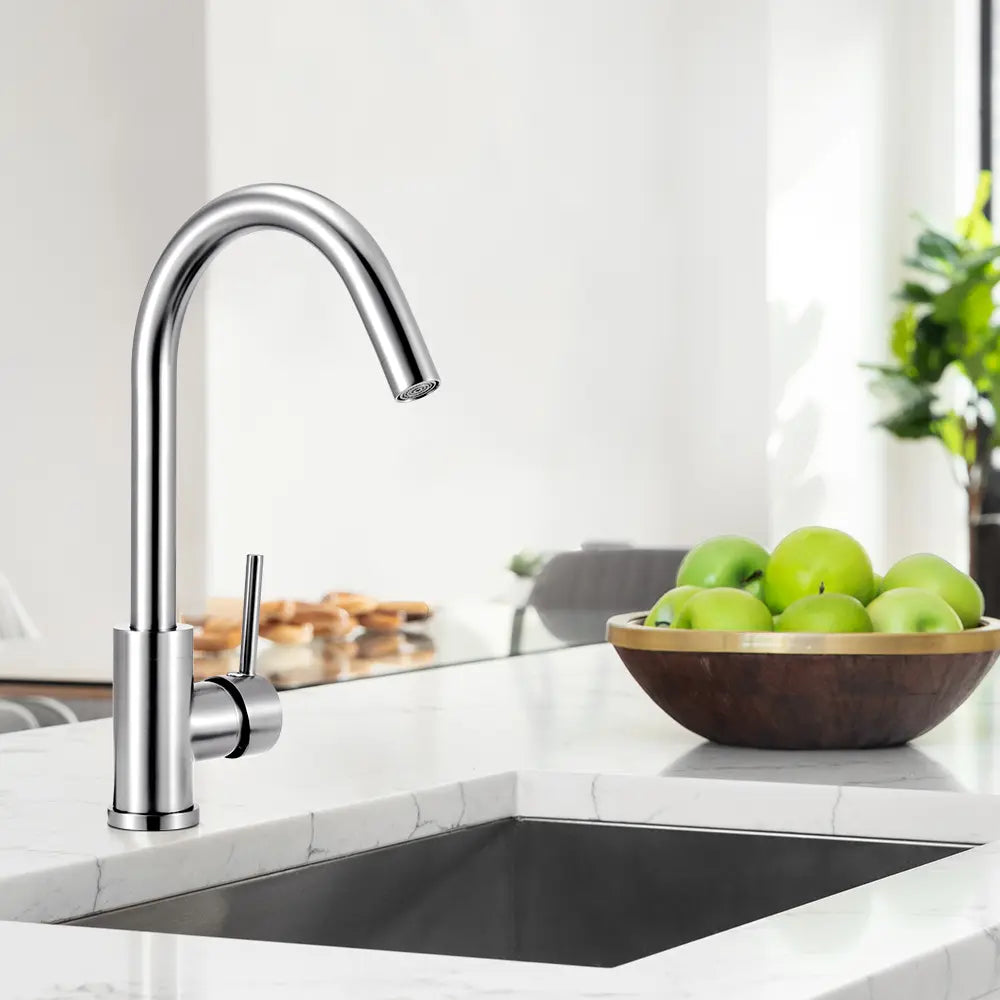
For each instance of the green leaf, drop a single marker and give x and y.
(980, 231)
(928, 264)
(930, 355)
(975, 261)
(904, 331)
(970, 451)
(913, 291)
(951, 304)
(976, 308)
(994, 398)
(911, 404)
(983, 186)
(937, 246)
(911, 422)
(975, 228)
(991, 359)
(951, 430)
(891, 371)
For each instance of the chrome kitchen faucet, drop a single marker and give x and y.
(163, 721)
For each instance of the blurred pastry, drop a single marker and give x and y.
(414, 611)
(216, 640)
(277, 611)
(378, 645)
(286, 634)
(353, 604)
(335, 628)
(382, 621)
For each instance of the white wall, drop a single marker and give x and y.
(831, 134)
(869, 113)
(937, 164)
(631, 232)
(648, 242)
(713, 313)
(572, 195)
(102, 146)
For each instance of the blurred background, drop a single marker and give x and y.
(648, 243)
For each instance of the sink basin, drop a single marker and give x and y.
(572, 893)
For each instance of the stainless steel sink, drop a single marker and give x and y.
(534, 891)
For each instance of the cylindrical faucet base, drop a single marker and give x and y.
(153, 674)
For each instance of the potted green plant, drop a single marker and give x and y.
(525, 566)
(944, 379)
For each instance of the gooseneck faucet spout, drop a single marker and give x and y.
(162, 720)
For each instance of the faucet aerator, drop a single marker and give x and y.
(418, 391)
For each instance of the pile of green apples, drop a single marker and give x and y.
(815, 580)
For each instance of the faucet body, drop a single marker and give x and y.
(162, 720)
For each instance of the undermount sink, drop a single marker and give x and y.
(534, 890)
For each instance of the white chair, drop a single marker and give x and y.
(14, 620)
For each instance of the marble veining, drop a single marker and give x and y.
(565, 735)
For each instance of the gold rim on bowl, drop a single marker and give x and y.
(628, 632)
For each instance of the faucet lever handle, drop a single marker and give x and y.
(251, 616)
(238, 713)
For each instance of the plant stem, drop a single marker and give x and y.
(976, 485)
(975, 495)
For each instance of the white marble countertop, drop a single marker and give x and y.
(557, 735)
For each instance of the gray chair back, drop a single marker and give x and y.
(576, 592)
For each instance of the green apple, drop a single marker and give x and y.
(817, 561)
(879, 583)
(668, 607)
(910, 609)
(824, 613)
(725, 609)
(939, 577)
(725, 561)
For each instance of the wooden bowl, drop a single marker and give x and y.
(805, 690)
